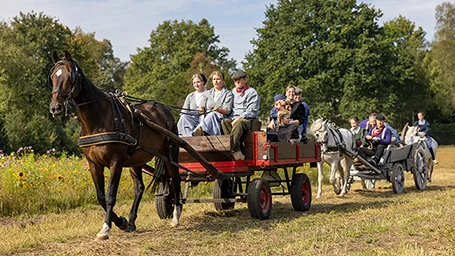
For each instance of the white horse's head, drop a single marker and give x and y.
(411, 135)
(318, 130)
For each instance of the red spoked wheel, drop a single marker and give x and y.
(301, 192)
(259, 199)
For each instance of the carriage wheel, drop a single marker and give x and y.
(420, 169)
(164, 201)
(301, 192)
(259, 199)
(398, 178)
(223, 189)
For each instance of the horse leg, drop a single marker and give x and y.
(320, 178)
(346, 164)
(430, 171)
(176, 180)
(111, 197)
(136, 174)
(334, 168)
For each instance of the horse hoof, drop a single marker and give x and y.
(318, 196)
(174, 224)
(124, 225)
(130, 228)
(101, 237)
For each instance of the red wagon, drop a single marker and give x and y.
(208, 158)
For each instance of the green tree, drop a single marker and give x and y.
(97, 60)
(441, 59)
(335, 51)
(26, 45)
(409, 49)
(163, 70)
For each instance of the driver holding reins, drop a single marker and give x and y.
(379, 138)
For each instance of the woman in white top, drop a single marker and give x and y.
(196, 103)
(223, 100)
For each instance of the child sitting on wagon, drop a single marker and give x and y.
(285, 131)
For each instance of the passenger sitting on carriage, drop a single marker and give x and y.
(244, 112)
(368, 123)
(379, 138)
(298, 98)
(286, 131)
(223, 100)
(195, 106)
(280, 102)
(359, 132)
(424, 131)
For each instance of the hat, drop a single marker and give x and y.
(380, 117)
(238, 74)
(298, 90)
(279, 97)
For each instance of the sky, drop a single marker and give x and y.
(128, 23)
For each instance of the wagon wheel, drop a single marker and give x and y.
(398, 178)
(301, 192)
(259, 199)
(164, 201)
(420, 169)
(223, 189)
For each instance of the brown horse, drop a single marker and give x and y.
(112, 137)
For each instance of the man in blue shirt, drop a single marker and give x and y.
(380, 137)
(245, 110)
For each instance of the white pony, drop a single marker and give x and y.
(336, 144)
(412, 137)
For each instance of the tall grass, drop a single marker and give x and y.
(39, 184)
(31, 184)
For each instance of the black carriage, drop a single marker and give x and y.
(394, 162)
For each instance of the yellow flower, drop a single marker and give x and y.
(21, 175)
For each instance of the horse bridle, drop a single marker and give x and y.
(75, 80)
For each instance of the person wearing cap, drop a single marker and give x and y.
(223, 98)
(280, 102)
(298, 98)
(379, 137)
(244, 112)
(297, 109)
(195, 105)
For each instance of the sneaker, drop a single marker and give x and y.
(238, 155)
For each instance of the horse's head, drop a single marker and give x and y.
(318, 130)
(65, 79)
(411, 134)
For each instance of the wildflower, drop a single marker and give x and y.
(21, 175)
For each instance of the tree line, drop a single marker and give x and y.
(345, 62)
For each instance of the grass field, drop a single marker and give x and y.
(375, 222)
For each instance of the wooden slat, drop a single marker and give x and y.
(212, 148)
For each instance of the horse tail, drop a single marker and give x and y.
(160, 170)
